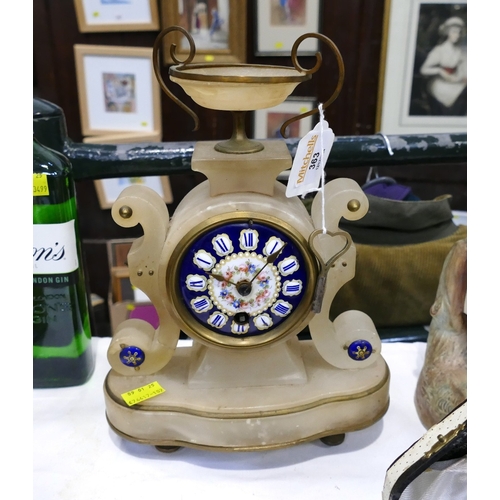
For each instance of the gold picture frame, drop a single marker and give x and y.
(117, 90)
(227, 44)
(117, 251)
(123, 138)
(108, 190)
(410, 100)
(280, 24)
(267, 122)
(109, 15)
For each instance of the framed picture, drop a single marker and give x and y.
(423, 85)
(117, 250)
(117, 15)
(123, 138)
(117, 90)
(280, 22)
(120, 284)
(218, 28)
(124, 300)
(122, 289)
(108, 190)
(268, 122)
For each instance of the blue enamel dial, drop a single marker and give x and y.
(245, 278)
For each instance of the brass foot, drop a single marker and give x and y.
(334, 440)
(167, 449)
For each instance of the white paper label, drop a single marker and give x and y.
(54, 248)
(308, 163)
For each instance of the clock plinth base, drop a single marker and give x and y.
(236, 173)
(330, 402)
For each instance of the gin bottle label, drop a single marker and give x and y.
(54, 253)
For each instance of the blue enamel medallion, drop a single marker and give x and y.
(132, 356)
(360, 350)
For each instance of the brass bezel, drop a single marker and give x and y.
(194, 328)
(265, 74)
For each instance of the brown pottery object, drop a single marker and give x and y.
(442, 384)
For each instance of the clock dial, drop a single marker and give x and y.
(242, 279)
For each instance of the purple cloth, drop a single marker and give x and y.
(147, 313)
(389, 191)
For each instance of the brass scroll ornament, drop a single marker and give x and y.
(301, 74)
(313, 70)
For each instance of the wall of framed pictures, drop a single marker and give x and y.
(242, 33)
(381, 91)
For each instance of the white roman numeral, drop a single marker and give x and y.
(222, 244)
(249, 239)
(281, 308)
(204, 260)
(291, 288)
(201, 304)
(218, 320)
(289, 265)
(196, 283)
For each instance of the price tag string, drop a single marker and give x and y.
(322, 161)
(308, 168)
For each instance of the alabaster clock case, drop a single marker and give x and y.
(242, 269)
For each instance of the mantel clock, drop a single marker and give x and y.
(242, 269)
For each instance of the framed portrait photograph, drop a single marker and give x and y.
(268, 122)
(218, 29)
(108, 190)
(117, 90)
(117, 15)
(280, 22)
(423, 84)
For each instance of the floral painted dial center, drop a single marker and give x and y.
(250, 285)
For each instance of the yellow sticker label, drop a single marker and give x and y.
(209, 58)
(40, 185)
(279, 45)
(142, 393)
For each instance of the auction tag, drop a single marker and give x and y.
(308, 164)
(142, 393)
(40, 185)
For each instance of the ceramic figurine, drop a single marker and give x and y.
(442, 384)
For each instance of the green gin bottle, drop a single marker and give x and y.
(62, 348)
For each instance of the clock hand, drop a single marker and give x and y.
(244, 288)
(270, 260)
(221, 278)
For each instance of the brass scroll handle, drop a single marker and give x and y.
(325, 266)
(316, 67)
(157, 66)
